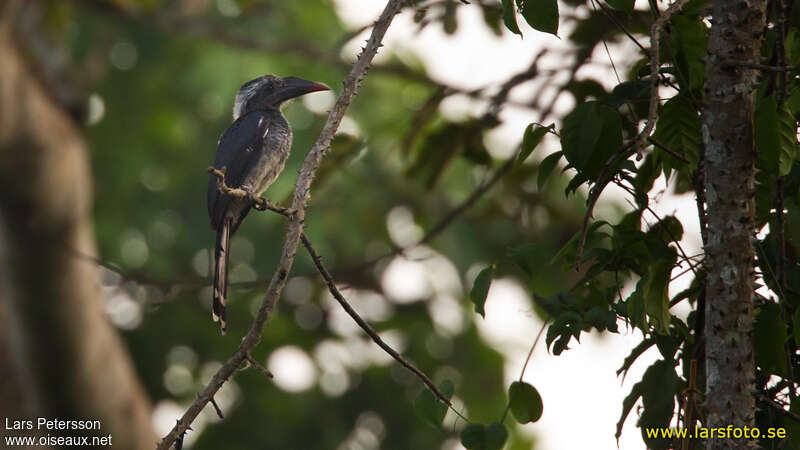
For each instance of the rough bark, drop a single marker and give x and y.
(735, 35)
(67, 360)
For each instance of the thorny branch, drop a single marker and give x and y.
(301, 195)
(329, 281)
(368, 329)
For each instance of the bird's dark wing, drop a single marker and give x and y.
(237, 151)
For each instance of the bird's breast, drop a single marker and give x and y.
(272, 160)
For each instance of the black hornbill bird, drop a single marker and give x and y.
(252, 153)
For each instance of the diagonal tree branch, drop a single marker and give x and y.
(367, 328)
(301, 195)
(262, 203)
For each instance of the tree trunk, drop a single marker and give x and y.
(65, 359)
(735, 35)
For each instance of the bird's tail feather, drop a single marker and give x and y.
(221, 252)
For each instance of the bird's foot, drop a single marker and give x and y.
(256, 201)
(261, 204)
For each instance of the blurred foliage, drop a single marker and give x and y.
(165, 73)
(162, 77)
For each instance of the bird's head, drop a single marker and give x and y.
(270, 91)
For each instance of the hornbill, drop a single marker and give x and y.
(252, 153)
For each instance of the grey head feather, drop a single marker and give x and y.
(248, 92)
(245, 94)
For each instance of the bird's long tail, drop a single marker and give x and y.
(221, 252)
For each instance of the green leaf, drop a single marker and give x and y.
(541, 15)
(571, 246)
(526, 256)
(627, 405)
(496, 436)
(590, 135)
(667, 229)
(568, 325)
(651, 297)
(546, 168)
(657, 389)
(510, 17)
(656, 298)
(601, 317)
(525, 402)
(430, 408)
(776, 140)
(796, 328)
(476, 153)
(661, 384)
(477, 436)
(473, 436)
(678, 128)
(765, 194)
(792, 45)
(435, 152)
(646, 175)
(637, 351)
(532, 137)
(634, 309)
(621, 5)
(583, 89)
(688, 37)
(769, 337)
(447, 388)
(629, 91)
(793, 426)
(579, 134)
(629, 246)
(480, 289)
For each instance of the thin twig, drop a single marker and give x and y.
(301, 194)
(610, 15)
(689, 402)
(658, 144)
(217, 408)
(525, 366)
(259, 367)
(366, 327)
(655, 65)
(179, 440)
